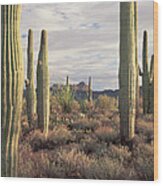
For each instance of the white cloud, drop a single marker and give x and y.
(83, 38)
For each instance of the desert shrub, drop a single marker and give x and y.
(106, 168)
(38, 140)
(58, 136)
(54, 105)
(143, 159)
(65, 98)
(75, 106)
(145, 128)
(86, 106)
(119, 153)
(70, 164)
(104, 102)
(84, 124)
(106, 134)
(32, 164)
(91, 146)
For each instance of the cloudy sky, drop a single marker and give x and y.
(83, 39)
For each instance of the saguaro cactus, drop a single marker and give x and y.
(127, 72)
(12, 86)
(136, 54)
(67, 81)
(151, 87)
(30, 97)
(90, 90)
(43, 85)
(145, 75)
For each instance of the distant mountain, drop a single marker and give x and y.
(80, 91)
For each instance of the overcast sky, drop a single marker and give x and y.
(83, 39)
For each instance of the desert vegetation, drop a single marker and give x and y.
(52, 134)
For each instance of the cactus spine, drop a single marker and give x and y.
(31, 99)
(145, 78)
(12, 87)
(90, 90)
(43, 84)
(127, 72)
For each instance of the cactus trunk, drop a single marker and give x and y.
(136, 55)
(12, 87)
(43, 91)
(151, 86)
(145, 76)
(90, 90)
(30, 97)
(67, 81)
(127, 72)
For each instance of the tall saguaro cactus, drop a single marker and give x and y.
(12, 86)
(151, 86)
(136, 54)
(30, 97)
(145, 78)
(43, 91)
(127, 72)
(90, 90)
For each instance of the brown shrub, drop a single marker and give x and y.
(107, 168)
(145, 127)
(70, 164)
(38, 141)
(59, 135)
(143, 159)
(91, 146)
(104, 102)
(106, 134)
(84, 124)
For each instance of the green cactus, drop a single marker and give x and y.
(67, 81)
(136, 55)
(151, 87)
(90, 90)
(43, 91)
(30, 89)
(128, 72)
(12, 87)
(145, 76)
